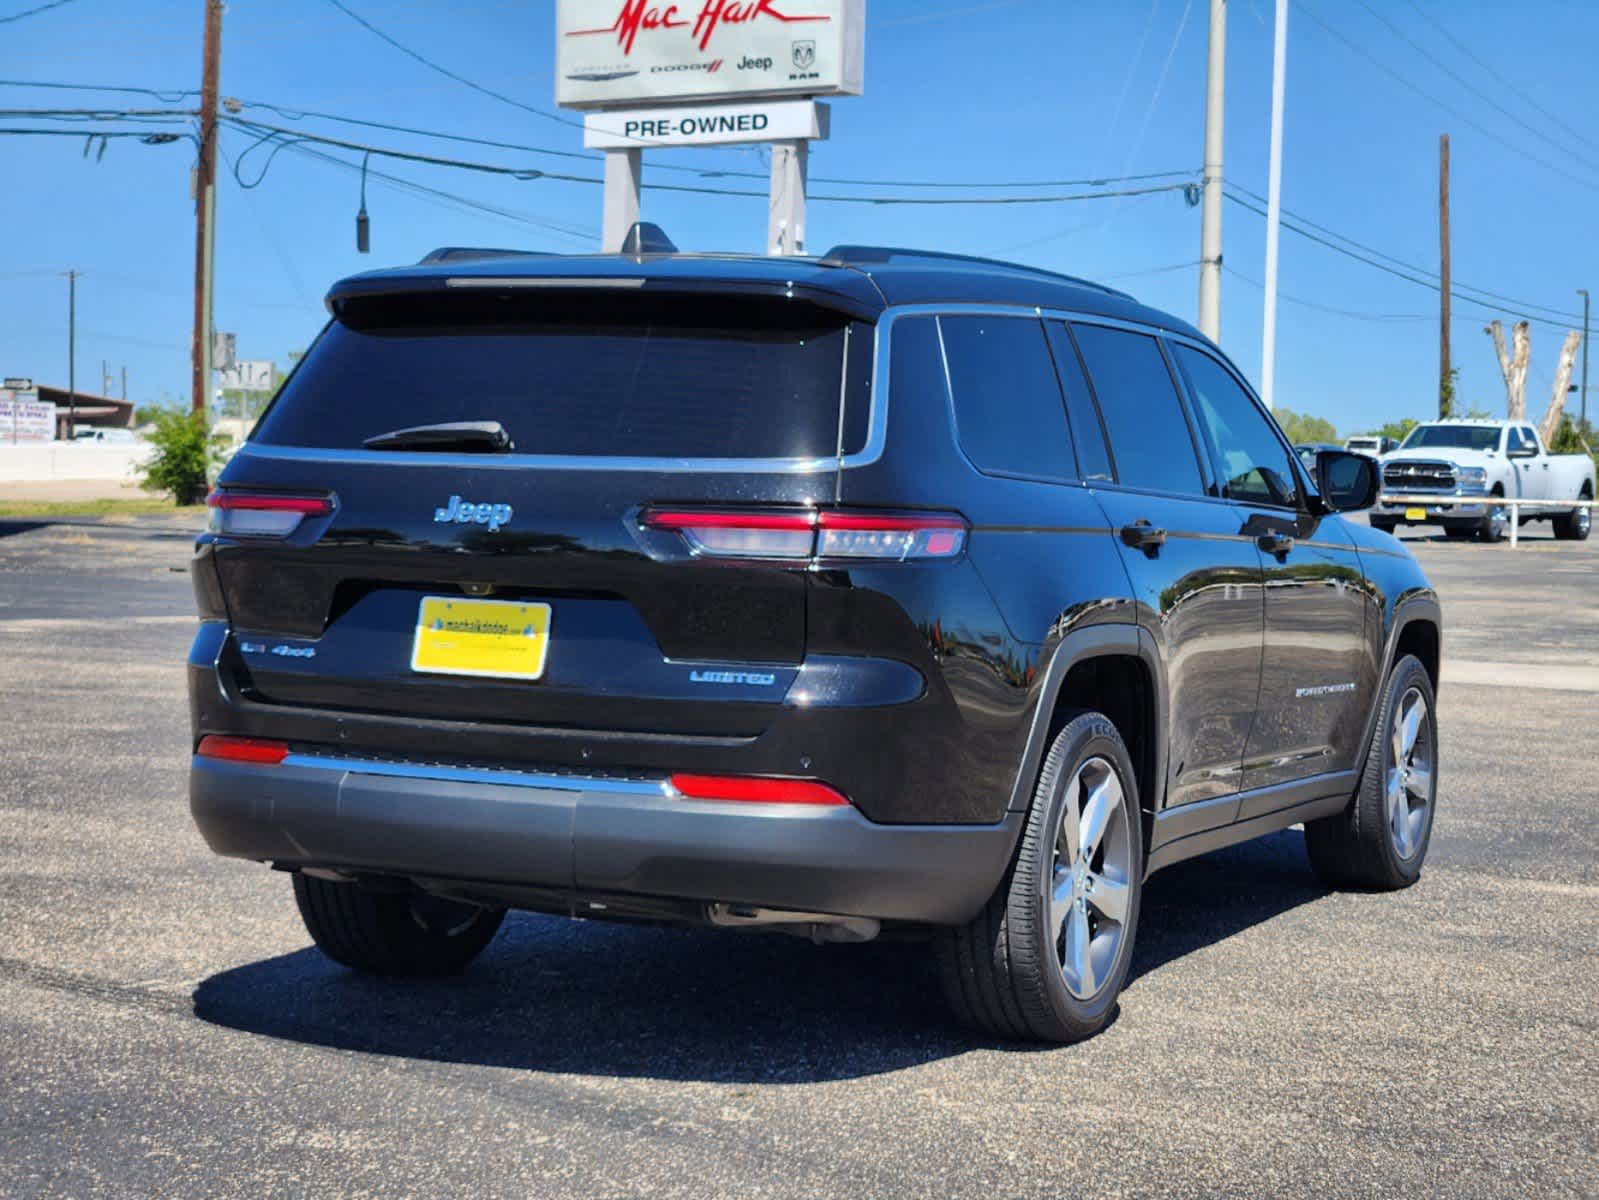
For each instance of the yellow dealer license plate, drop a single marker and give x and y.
(1415, 514)
(504, 639)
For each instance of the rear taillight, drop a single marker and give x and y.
(262, 514)
(242, 749)
(813, 535)
(755, 789)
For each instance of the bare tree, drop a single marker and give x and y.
(1513, 366)
(1557, 398)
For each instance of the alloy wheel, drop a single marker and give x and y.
(1409, 779)
(1092, 880)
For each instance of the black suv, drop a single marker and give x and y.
(824, 595)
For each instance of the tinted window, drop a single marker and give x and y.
(1093, 460)
(1529, 439)
(1254, 466)
(1008, 411)
(1467, 437)
(1149, 436)
(578, 374)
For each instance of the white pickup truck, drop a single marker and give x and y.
(1463, 461)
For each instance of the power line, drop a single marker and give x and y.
(1407, 275)
(1495, 75)
(33, 12)
(445, 71)
(1433, 276)
(154, 93)
(1470, 86)
(278, 135)
(1410, 85)
(1328, 308)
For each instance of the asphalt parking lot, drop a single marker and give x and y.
(165, 1028)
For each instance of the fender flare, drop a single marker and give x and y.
(1081, 644)
(1420, 604)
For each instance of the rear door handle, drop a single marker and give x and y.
(1141, 535)
(1275, 543)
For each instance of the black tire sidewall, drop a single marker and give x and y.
(1086, 736)
(1407, 673)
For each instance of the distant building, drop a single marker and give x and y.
(101, 411)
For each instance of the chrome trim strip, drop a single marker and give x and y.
(525, 779)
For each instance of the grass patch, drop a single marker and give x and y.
(98, 508)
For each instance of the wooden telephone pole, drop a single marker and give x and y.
(1446, 382)
(205, 205)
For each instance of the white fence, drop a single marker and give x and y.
(70, 460)
(1514, 503)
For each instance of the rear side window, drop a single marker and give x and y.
(1009, 417)
(581, 373)
(1149, 435)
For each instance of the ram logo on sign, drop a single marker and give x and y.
(613, 53)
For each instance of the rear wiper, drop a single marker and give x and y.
(469, 437)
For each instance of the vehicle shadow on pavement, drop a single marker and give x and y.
(695, 1005)
(1205, 900)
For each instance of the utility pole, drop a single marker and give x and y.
(1210, 212)
(624, 172)
(1446, 382)
(1583, 292)
(205, 205)
(72, 355)
(124, 385)
(1274, 192)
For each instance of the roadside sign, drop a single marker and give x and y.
(248, 375)
(16, 384)
(705, 124)
(613, 53)
(224, 350)
(23, 419)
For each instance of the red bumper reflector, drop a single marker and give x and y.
(756, 790)
(242, 749)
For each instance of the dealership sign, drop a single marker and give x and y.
(615, 53)
(706, 124)
(24, 419)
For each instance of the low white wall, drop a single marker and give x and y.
(67, 460)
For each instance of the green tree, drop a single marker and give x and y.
(182, 457)
(1398, 430)
(1302, 428)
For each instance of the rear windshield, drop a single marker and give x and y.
(584, 373)
(1465, 437)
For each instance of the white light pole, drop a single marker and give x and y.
(1268, 348)
(1210, 212)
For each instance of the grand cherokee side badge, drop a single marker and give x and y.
(464, 512)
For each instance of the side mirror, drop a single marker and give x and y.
(1348, 482)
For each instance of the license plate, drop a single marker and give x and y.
(1415, 514)
(503, 639)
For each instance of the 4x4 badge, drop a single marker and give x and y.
(463, 512)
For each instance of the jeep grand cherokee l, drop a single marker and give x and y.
(883, 589)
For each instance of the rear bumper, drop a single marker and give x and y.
(587, 835)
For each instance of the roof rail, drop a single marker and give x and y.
(451, 254)
(860, 256)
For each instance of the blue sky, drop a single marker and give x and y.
(961, 90)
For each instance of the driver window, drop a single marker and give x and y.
(1513, 440)
(1254, 464)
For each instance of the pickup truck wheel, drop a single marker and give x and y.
(1046, 958)
(1495, 521)
(1573, 526)
(1381, 838)
(1380, 523)
(393, 933)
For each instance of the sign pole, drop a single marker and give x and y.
(624, 170)
(785, 226)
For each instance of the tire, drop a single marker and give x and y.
(1457, 531)
(1007, 973)
(1491, 528)
(1382, 525)
(393, 933)
(1573, 526)
(1363, 847)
